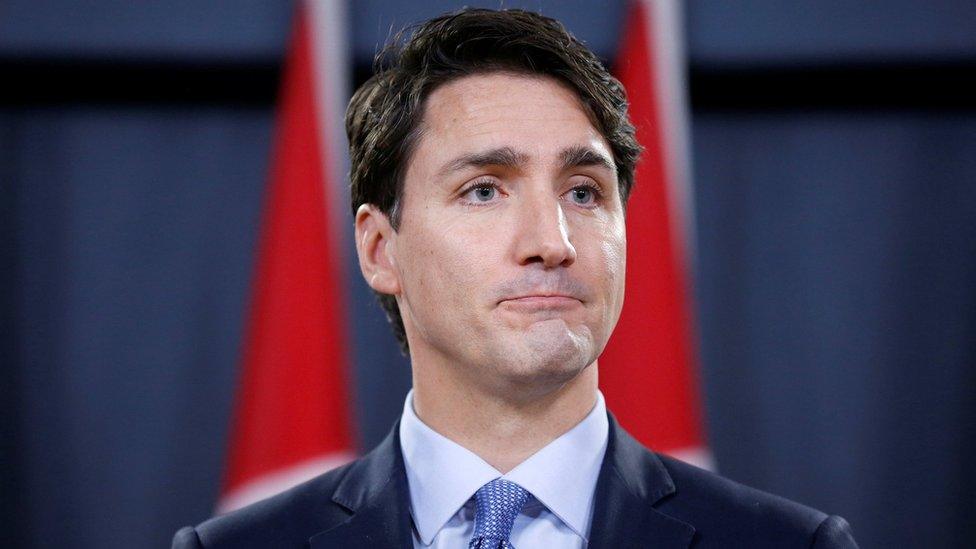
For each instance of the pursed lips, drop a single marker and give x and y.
(541, 301)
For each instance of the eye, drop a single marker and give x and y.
(584, 195)
(481, 193)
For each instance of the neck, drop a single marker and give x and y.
(501, 426)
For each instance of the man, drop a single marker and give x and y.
(492, 158)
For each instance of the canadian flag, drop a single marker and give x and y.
(292, 420)
(648, 371)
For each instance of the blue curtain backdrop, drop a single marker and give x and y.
(835, 247)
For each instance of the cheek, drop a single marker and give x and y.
(444, 266)
(608, 253)
(613, 257)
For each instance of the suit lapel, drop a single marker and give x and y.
(375, 492)
(633, 479)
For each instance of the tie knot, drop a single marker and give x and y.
(497, 503)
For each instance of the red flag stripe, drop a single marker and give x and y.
(648, 371)
(293, 406)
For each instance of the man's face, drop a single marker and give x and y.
(511, 249)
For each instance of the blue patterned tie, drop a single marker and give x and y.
(497, 504)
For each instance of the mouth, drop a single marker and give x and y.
(540, 302)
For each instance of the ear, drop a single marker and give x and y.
(375, 246)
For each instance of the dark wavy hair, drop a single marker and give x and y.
(384, 115)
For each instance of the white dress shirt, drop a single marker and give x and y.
(443, 477)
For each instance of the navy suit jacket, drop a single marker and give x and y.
(642, 500)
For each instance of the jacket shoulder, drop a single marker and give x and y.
(728, 514)
(284, 520)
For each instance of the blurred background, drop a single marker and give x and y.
(834, 164)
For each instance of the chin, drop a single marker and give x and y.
(549, 357)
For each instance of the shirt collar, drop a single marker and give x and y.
(563, 474)
(443, 475)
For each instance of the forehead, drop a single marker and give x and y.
(535, 114)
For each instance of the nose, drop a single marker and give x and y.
(543, 235)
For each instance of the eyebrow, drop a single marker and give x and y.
(507, 157)
(584, 156)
